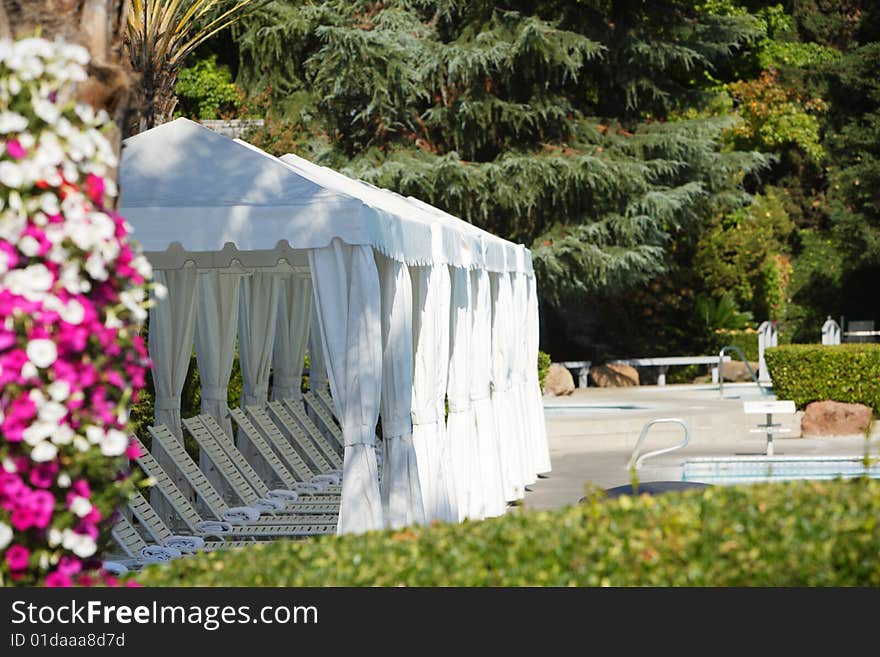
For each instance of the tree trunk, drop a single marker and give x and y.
(99, 26)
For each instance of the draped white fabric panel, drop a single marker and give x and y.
(431, 299)
(170, 344)
(347, 303)
(258, 308)
(538, 427)
(216, 315)
(317, 368)
(502, 396)
(465, 457)
(518, 357)
(489, 492)
(291, 337)
(400, 487)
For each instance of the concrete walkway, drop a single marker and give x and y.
(592, 434)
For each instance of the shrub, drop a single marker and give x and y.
(543, 366)
(205, 90)
(846, 373)
(72, 292)
(803, 533)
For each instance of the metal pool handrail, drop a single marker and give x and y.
(636, 461)
(731, 347)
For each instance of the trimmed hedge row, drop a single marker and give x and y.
(845, 373)
(807, 533)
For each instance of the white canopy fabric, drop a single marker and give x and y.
(459, 423)
(538, 429)
(172, 325)
(491, 489)
(216, 315)
(518, 364)
(431, 295)
(291, 337)
(199, 200)
(258, 309)
(347, 302)
(400, 487)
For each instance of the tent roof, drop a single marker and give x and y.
(194, 195)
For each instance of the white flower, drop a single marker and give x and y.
(59, 390)
(49, 203)
(95, 267)
(94, 434)
(12, 122)
(11, 174)
(30, 281)
(9, 465)
(81, 506)
(55, 537)
(5, 535)
(63, 435)
(29, 246)
(114, 444)
(52, 412)
(41, 353)
(63, 480)
(73, 312)
(81, 444)
(46, 110)
(80, 544)
(29, 371)
(43, 452)
(37, 432)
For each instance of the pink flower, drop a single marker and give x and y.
(95, 187)
(15, 149)
(43, 474)
(17, 557)
(133, 451)
(69, 565)
(57, 579)
(131, 584)
(81, 488)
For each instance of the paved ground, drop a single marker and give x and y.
(592, 434)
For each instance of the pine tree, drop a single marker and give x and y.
(558, 124)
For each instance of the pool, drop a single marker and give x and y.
(732, 470)
(593, 409)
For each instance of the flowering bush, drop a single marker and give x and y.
(72, 296)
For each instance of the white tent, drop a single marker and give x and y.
(237, 235)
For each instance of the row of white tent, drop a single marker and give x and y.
(410, 313)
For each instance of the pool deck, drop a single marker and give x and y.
(593, 431)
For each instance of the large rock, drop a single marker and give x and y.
(735, 371)
(831, 418)
(559, 381)
(614, 376)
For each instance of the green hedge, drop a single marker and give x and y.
(806, 533)
(543, 366)
(807, 372)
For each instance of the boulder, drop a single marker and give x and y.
(831, 418)
(559, 381)
(614, 376)
(735, 371)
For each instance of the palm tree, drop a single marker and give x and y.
(161, 33)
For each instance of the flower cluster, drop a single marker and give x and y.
(73, 293)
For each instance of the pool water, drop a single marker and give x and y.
(756, 469)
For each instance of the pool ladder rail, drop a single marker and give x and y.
(636, 460)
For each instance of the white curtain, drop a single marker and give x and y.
(400, 488)
(534, 396)
(317, 368)
(291, 337)
(506, 425)
(258, 308)
(460, 422)
(489, 494)
(347, 303)
(519, 355)
(170, 344)
(216, 315)
(431, 299)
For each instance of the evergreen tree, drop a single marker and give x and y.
(560, 124)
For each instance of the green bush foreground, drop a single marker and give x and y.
(806, 373)
(815, 533)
